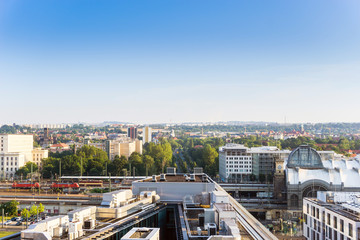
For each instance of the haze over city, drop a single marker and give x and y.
(179, 61)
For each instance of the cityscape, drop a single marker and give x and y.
(179, 120)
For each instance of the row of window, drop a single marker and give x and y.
(7, 163)
(238, 166)
(9, 158)
(238, 162)
(237, 158)
(239, 170)
(7, 169)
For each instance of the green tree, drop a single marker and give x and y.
(10, 207)
(117, 165)
(25, 170)
(209, 156)
(25, 213)
(33, 210)
(148, 162)
(41, 208)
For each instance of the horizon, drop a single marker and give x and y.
(179, 61)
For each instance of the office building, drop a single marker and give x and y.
(332, 216)
(147, 134)
(237, 162)
(15, 151)
(132, 133)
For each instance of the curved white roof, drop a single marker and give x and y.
(335, 172)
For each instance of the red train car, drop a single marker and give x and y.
(26, 185)
(65, 185)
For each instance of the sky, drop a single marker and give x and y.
(66, 61)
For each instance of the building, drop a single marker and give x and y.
(132, 133)
(332, 215)
(60, 147)
(306, 174)
(122, 148)
(264, 159)
(235, 163)
(38, 155)
(147, 134)
(15, 151)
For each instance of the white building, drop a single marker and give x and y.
(235, 162)
(15, 151)
(147, 134)
(332, 216)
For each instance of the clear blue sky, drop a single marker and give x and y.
(174, 61)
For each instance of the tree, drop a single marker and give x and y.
(33, 210)
(25, 213)
(10, 207)
(209, 156)
(25, 170)
(41, 208)
(148, 162)
(117, 165)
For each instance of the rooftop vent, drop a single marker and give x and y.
(192, 177)
(154, 178)
(162, 177)
(198, 170)
(204, 178)
(171, 171)
(211, 227)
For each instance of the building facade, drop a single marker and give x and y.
(132, 133)
(38, 155)
(147, 134)
(122, 148)
(235, 163)
(15, 151)
(329, 219)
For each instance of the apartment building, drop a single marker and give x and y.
(147, 134)
(332, 216)
(122, 148)
(38, 155)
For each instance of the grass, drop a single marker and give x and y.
(4, 233)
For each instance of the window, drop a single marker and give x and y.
(307, 211)
(350, 230)
(335, 222)
(341, 225)
(317, 213)
(328, 218)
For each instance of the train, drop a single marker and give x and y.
(26, 185)
(91, 183)
(64, 185)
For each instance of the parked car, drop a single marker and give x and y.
(18, 223)
(7, 222)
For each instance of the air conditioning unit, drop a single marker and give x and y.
(162, 177)
(204, 178)
(154, 178)
(171, 171)
(211, 227)
(89, 224)
(192, 177)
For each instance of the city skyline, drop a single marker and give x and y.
(179, 61)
